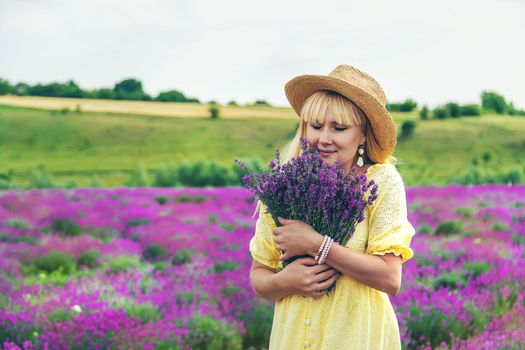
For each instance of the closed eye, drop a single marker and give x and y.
(336, 128)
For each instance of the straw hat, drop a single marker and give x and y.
(357, 86)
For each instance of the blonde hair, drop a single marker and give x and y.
(345, 112)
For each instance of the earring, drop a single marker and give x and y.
(361, 151)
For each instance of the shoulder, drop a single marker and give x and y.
(391, 194)
(387, 178)
(384, 173)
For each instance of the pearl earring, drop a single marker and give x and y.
(361, 151)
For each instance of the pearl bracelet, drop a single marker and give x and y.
(319, 252)
(325, 252)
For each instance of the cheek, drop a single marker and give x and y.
(312, 137)
(350, 146)
(352, 140)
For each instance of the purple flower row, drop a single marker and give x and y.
(464, 289)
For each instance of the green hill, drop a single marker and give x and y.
(78, 145)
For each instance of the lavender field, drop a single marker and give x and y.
(142, 268)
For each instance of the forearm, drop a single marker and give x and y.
(268, 284)
(368, 269)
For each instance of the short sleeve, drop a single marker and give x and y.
(389, 228)
(262, 245)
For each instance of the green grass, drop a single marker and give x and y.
(440, 149)
(77, 146)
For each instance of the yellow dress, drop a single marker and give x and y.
(355, 316)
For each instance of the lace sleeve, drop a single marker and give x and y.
(262, 245)
(389, 228)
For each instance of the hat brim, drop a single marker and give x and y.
(300, 88)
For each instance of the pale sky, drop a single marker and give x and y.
(431, 51)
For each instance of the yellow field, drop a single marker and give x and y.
(164, 109)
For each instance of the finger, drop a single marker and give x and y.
(323, 276)
(331, 269)
(328, 282)
(284, 221)
(326, 275)
(323, 267)
(308, 261)
(320, 268)
(336, 272)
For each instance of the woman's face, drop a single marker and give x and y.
(340, 141)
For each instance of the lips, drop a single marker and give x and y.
(326, 153)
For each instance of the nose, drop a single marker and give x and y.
(325, 137)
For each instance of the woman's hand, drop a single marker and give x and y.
(305, 277)
(295, 238)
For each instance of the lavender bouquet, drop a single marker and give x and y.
(310, 190)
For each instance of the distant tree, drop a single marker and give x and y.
(214, 111)
(423, 113)
(104, 94)
(261, 103)
(492, 101)
(232, 103)
(471, 109)
(129, 89)
(392, 107)
(5, 87)
(486, 156)
(514, 111)
(22, 89)
(407, 106)
(69, 89)
(440, 113)
(511, 110)
(454, 110)
(407, 128)
(42, 90)
(171, 96)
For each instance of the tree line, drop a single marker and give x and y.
(131, 89)
(490, 102)
(127, 89)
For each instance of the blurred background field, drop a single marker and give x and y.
(75, 147)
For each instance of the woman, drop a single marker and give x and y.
(344, 115)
